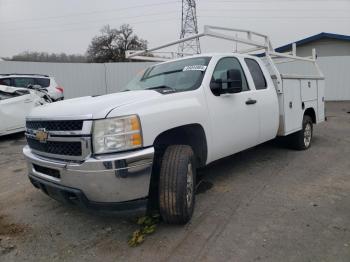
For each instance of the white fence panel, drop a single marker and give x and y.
(119, 74)
(77, 79)
(80, 79)
(93, 79)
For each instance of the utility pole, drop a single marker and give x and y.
(189, 27)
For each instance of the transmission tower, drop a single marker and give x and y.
(189, 27)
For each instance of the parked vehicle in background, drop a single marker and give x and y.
(127, 150)
(49, 83)
(41, 92)
(15, 105)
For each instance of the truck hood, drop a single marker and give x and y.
(92, 107)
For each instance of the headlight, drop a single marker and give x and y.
(116, 134)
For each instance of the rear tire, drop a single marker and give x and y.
(177, 184)
(301, 140)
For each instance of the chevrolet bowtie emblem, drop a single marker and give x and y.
(42, 135)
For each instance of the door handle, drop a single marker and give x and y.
(250, 102)
(28, 101)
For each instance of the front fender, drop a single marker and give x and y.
(169, 111)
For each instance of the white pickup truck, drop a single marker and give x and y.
(120, 152)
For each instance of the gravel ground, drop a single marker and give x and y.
(268, 203)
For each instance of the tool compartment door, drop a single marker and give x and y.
(308, 90)
(320, 100)
(292, 107)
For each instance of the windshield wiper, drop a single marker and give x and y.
(170, 89)
(159, 74)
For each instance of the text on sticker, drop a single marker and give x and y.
(195, 68)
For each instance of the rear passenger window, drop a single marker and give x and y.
(43, 82)
(5, 81)
(257, 74)
(23, 81)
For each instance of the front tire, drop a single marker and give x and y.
(301, 140)
(177, 184)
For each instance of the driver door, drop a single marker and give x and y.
(234, 117)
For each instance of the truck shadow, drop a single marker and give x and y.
(240, 162)
(12, 137)
(207, 176)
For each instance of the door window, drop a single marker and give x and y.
(226, 64)
(257, 74)
(23, 81)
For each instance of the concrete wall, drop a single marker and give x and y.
(80, 79)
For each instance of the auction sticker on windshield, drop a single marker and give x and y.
(195, 68)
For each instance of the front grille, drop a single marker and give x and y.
(47, 171)
(66, 125)
(56, 148)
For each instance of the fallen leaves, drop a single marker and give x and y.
(148, 225)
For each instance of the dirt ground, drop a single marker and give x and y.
(268, 203)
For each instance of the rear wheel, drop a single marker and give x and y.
(177, 184)
(302, 140)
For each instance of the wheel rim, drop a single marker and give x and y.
(307, 135)
(189, 187)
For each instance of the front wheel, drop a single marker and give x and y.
(177, 184)
(301, 140)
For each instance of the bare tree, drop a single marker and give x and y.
(111, 45)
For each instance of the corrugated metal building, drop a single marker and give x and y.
(333, 52)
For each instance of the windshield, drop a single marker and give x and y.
(177, 76)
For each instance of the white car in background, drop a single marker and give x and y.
(15, 105)
(24, 80)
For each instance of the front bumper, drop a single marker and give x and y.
(108, 179)
(76, 197)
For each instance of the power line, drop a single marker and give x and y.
(89, 28)
(273, 9)
(275, 17)
(93, 21)
(272, 1)
(89, 13)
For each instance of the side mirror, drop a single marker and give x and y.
(234, 83)
(216, 87)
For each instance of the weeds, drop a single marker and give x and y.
(148, 225)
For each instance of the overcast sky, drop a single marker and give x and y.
(69, 25)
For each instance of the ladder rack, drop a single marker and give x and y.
(255, 41)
